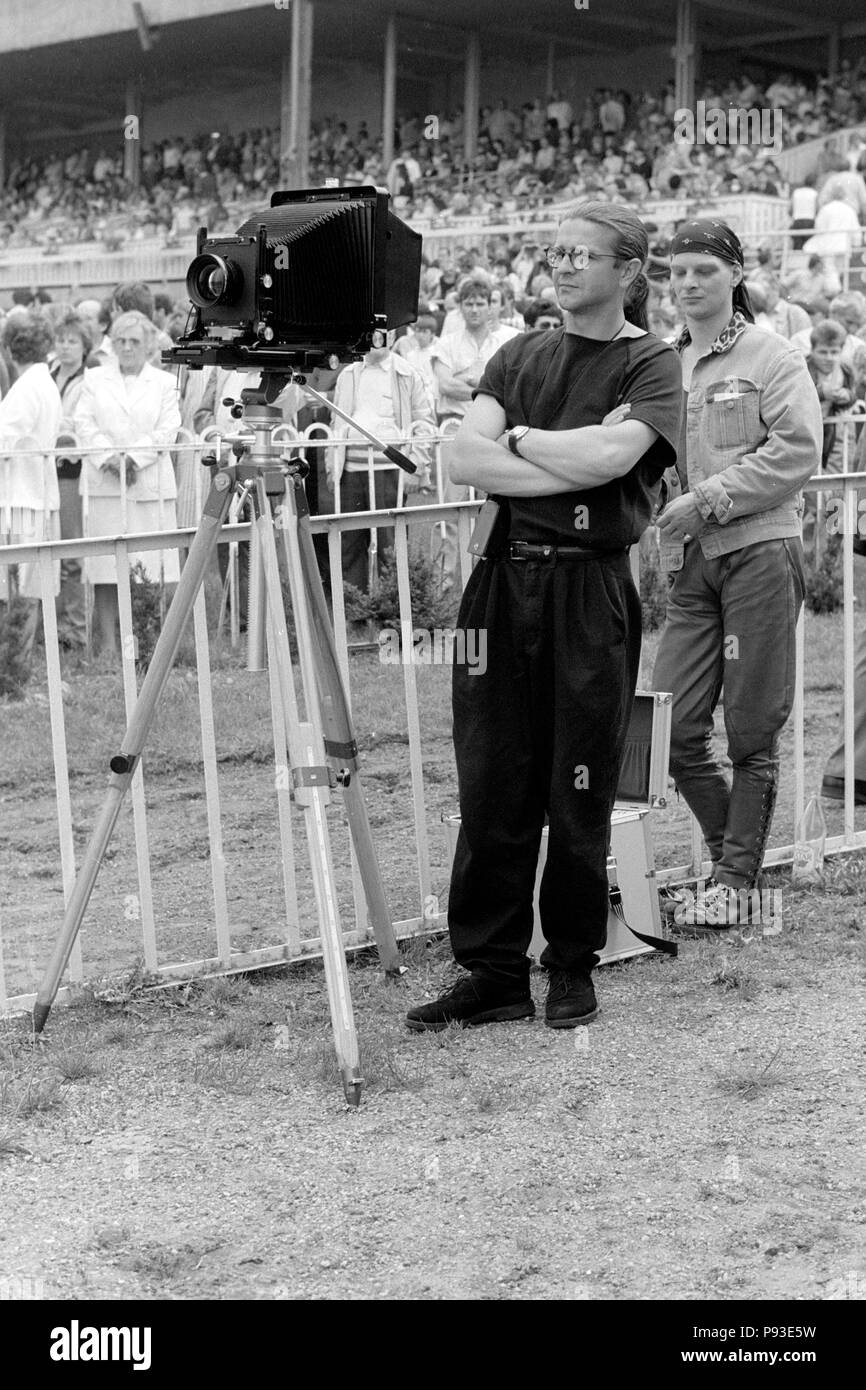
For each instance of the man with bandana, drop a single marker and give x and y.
(730, 537)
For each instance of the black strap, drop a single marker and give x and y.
(658, 943)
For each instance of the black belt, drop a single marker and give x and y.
(526, 550)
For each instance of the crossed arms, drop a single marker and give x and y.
(554, 461)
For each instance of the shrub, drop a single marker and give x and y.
(147, 614)
(431, 608)
(653, 589)
(824, 580)
(14, 665)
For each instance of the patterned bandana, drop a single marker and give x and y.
(715, 239)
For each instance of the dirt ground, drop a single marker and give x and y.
(702, 1140)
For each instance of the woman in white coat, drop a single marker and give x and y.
(129, 413)
(29, 496)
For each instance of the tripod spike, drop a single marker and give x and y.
(353, 1084)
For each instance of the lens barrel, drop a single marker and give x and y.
(213, 280)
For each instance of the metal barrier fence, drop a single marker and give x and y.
(166, 954)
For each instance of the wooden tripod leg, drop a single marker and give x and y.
(311, 785)
(339, 734)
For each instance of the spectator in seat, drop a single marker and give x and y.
(804, 205)
(847, 186)
(559, 110)
(850, 310)
(835, 383)
(815, 280)
(785, 317)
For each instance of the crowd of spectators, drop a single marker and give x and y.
(126, 411)
(614, 146)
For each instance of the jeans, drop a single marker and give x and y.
(730, 625)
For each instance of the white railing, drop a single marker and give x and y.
(156, 936)
(802, 159)
(751, 214)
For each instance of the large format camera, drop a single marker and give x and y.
(318, 273)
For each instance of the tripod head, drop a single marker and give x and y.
(257, 409)
(262, 454)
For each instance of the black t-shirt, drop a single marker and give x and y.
(554, 380)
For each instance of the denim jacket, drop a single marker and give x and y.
(753, 437)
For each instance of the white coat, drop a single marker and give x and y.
(30, 415)
(135, 415)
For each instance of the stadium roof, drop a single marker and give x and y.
(613, 24)
(63, 66)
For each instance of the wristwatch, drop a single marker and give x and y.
(514, 437)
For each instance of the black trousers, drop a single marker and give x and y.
(355, 497)
(539, 728)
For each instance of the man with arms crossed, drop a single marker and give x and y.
(541, 730)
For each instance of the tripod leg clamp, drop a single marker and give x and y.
(122, 764)
(314, 777)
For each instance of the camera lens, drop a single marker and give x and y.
(216, 283)
(210, 280)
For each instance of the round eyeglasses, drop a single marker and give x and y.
(580, 256)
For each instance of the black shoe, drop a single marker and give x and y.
(472, 1001)
(571, 999)
(834, 789)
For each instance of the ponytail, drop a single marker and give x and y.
(635, 302)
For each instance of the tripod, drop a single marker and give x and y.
(322, 750)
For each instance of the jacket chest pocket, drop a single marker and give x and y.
(733, 415)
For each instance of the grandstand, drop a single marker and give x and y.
(125, 126)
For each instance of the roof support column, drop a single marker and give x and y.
(685, 55)
(471, 95)
(389, 93)
(295, 99)
(2, 148)
(132, 133)
(551, 67)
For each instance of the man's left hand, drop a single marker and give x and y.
(680, 519)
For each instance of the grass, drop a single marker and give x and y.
(737, 979)
(237, 1035)
(28, 1092)
(225, 1071)
(749, 1082)
(74, 1064)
